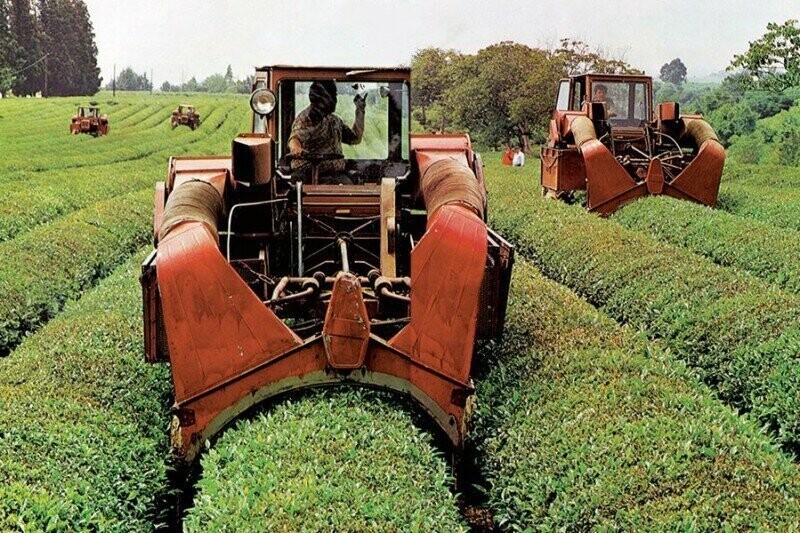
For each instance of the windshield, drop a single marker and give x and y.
(625, 101)
(380, 132)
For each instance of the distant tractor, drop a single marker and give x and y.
(606, 140)
(185, 115)
(89, 120)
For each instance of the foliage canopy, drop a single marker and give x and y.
(773, 61)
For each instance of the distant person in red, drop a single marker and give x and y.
(508, 157)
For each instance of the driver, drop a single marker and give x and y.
(317, 130)
(600, 92)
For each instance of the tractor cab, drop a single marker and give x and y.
(185, 115)
(88, 112)
(87, 119)
(623, 101)
(381, 146)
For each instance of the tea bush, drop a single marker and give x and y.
(742, 334)
(83, 419)
(344, 459)
(44, 268)
(770, 253)
(584, 425)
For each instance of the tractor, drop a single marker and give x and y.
(87, 119)
(185, 115)
(268, 275)
(605, 139)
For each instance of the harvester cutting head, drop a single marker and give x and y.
(185, 115)
(370, 263)
(87, 119)
(606, 139)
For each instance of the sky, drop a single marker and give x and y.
(178, 39)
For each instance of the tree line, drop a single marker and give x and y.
(47, 47)
(504, 93)
(130, 80)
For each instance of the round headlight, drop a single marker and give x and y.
(262, 101)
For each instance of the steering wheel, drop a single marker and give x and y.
(314, 157)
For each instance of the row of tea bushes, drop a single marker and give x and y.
(47, 195)
(338, 460)
(770, 253)
(42, 269)
(37, 131)
(583, 425)
(83, 419)
(742, 334)
(85, 150)
(764, 176)
(780, 207)
(58, 150)
(54, 194)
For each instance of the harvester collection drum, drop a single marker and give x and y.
(266, 279)
(605, 139)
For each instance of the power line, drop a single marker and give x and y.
(31, 65)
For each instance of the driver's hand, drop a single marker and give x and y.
(361, 101)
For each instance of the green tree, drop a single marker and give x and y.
(217, 83)
(87, 80)
(28, 57)
(128, 80)
(191, 85)
(673, 72)
(244, 86)
(731, 120)
(8, 49)
(505, 92)
(68, 42)
(773, 61)
(432, 73)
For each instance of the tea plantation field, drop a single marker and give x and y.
(648, 379)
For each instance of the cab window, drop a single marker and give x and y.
(562, 102)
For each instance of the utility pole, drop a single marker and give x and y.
(151, 81)
(45, 76)
(114, 82)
